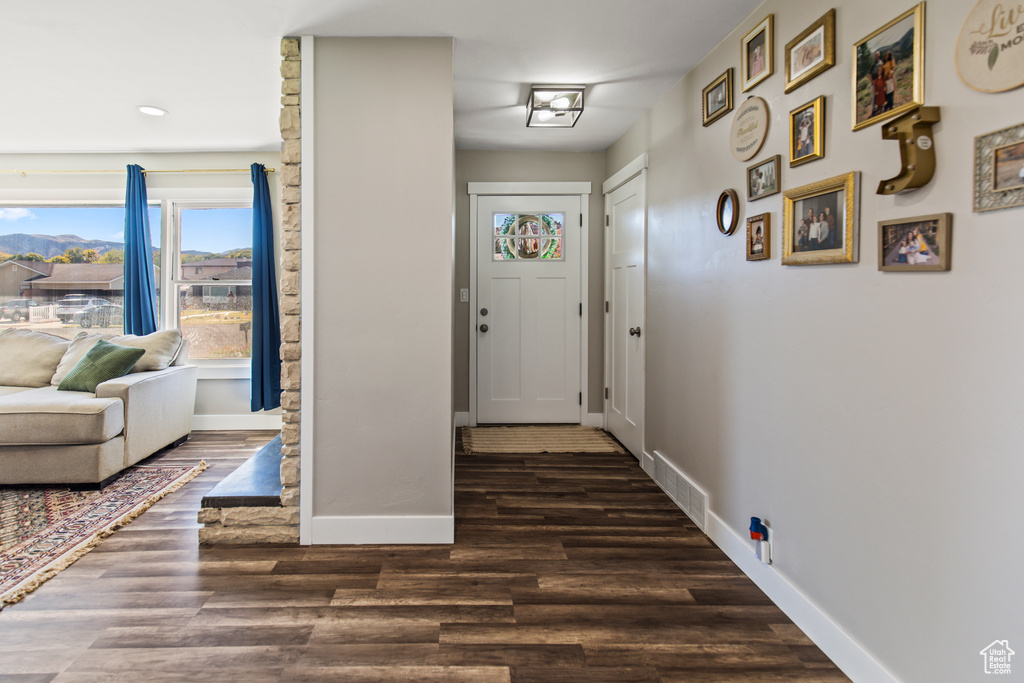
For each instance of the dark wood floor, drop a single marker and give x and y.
(565, 568)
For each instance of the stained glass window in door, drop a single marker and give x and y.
(528, 236)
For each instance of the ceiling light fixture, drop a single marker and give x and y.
(151, 110)
(554, 106)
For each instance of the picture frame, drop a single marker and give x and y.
(888, 69)
(811, 52)
(834, 202)
(727, 212)
(764, 178)
(999, 169)
(807, 132)
(716, 98)
(757, 54)
(917, 244)
(759, 237)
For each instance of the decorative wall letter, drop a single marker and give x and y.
(913, 130)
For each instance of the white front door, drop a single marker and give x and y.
(528, 309)
(624, 321)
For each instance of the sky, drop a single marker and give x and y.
(210, 230)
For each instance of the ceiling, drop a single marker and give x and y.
(75, 71)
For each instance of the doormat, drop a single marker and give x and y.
(43, 531)
(538, 439)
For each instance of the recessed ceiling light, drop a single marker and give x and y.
(151, 110)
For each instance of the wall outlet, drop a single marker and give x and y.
(765, 550)
(464, 295)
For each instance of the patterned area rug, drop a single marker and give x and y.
(538, 439)
(43, 531)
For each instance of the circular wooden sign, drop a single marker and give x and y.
(749, 128)
(990, 51)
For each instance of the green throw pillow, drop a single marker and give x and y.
(104, 361)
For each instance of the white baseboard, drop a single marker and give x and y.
(462, 419)
(230, 423)
(841, 648)
(647, 464)
(382, 530)
(594, 420)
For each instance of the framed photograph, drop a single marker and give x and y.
(888, 69)
(727, 212)
(820, 222)
(759, 237)
(807, 132)
(915, 244)
(999, 169)
(811, 52)
(757, 59)
(764, 178)
(717, 98)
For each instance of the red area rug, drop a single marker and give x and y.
(43, 531)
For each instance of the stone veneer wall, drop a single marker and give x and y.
(278, 524)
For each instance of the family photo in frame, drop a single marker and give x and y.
(921, 243)
(759, 235)
(763, 178)
(807, 132)
(888, 66)
(757, 58)
(820, 221)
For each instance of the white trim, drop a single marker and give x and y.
(383, 530)
(584, 304)
(231, 423)
(625, 174)
(461, 419)
(307, 397)
(841, 648)
(593, 419)
(647, 464)
(473, 227)
(221, 370)
(529, 188)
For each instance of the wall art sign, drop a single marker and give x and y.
(749, 129)
(990, 51)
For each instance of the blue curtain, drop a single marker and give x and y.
(266, 330)
(139, 287)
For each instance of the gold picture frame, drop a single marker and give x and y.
(917, 244)
(764, 178)
(759, 237)
(811, 52)
(727, 212)
(807, 132)
(716, 98)
(834, 202)
(999, 169)
(757, 53)
(887, 81)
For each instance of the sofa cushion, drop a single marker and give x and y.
(29, 358)
(161, 348)
(46, 416)
(102, 362)
(77, 348)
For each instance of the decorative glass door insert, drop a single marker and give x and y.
(528, 236)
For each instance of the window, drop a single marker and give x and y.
(528, 236)
(213, 278)
(62, 266)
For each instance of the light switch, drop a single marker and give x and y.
(464, 295)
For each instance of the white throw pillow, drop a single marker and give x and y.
(29, 358)
(77, 349)
(161, 348)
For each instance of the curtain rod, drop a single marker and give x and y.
(179, 170)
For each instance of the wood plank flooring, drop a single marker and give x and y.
(565, 568)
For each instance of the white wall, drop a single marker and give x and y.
(222, 396)
(875, 419)
(383, 231)
(523, 166)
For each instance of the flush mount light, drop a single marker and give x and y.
(554, 106)
(151, 110)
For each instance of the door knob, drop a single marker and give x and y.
(634, 331)
(483, 328)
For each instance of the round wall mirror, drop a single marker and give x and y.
(727, 212)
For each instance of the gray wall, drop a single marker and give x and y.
(873, 418)
(492, 166)
(383, 278)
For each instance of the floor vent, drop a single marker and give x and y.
(681, 489)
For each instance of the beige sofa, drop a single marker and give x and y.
(48, 436)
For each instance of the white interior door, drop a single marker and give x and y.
(624, 320)
(528, 309)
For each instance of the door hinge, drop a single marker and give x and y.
(581, 398)
(581, 310)
(606, 393)
(607, 220)
(607, 306)
(581, 220)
